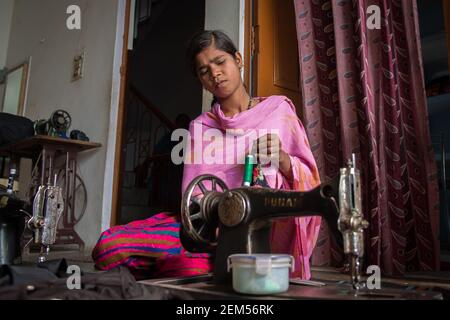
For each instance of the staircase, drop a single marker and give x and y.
(135, 201)
(145, 173)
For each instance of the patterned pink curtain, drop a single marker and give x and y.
(364, 93)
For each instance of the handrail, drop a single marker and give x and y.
(149, 105)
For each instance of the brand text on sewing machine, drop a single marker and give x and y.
(281, 202)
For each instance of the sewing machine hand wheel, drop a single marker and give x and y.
(199, 213)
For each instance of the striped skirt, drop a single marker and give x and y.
(150, 248)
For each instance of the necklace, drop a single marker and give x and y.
(250, 101)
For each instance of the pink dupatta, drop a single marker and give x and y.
(276, 114)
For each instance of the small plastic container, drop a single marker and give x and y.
(260, 274)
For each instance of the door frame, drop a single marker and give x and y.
(113, 160)
(253, 28)
(248, 34)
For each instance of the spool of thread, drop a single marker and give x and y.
(11, 178)
(248, 170)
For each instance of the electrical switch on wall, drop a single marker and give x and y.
(78, 67)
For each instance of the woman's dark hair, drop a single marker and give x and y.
(205, 39)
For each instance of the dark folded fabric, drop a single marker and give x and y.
(49, 281)
(14, 128)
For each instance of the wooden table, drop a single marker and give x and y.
(329, 283)
(46, 150)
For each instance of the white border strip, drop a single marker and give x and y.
(113, 116)
(242, 31)
(131, 25)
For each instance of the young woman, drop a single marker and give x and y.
(151, 248)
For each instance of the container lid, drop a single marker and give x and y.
(246, 258)
(263, 262)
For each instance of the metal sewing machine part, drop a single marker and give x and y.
(351, 222)
(56, 126)
(11, 178)
(48, 206)
(244, 218)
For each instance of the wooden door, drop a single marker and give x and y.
(276, 67)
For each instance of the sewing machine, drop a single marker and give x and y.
(48, 207)
(224, 222)
(243, 217)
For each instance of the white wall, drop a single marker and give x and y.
(39, 30)
(228, 17)
(223, 15)
(6, 11)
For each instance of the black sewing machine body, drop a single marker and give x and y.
(226, 222)
(257, 208)
(244, 218)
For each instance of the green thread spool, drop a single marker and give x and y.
(248, 170)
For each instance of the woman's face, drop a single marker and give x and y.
(219, 71)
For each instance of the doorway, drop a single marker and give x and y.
(274, 50)
(160, 95)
